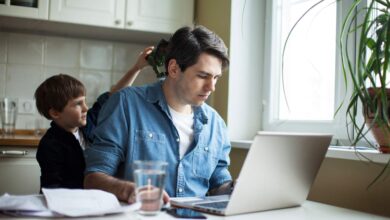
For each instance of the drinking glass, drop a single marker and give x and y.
(8, 112)
(149, 178)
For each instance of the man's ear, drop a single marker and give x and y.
(173, 69)
(54, 114)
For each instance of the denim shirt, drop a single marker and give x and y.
(135, 124)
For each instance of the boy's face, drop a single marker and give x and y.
(73, 116)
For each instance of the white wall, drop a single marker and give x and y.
(246, 68)
(26, 60)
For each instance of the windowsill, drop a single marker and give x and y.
(339, 152)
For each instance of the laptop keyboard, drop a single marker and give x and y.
(214, 205)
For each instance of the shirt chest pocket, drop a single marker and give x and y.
(150, 145)
(204, 162)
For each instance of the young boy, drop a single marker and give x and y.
(61, 98)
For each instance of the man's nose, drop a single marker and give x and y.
(211, 84)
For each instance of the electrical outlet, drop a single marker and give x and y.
(26, 106)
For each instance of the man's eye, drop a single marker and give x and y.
(203, 76)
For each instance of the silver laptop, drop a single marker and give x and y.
(278, 172)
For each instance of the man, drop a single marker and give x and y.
(167, 121)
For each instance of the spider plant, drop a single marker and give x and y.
(369, 73)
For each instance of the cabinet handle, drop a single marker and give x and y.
(117, 22)
(129, 23)
(13, 152)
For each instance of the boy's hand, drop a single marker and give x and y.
(141, 61)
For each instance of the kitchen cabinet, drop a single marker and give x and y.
(163, 16)
(19, 170)
(90, 12)
(159, 15)
(36, 9)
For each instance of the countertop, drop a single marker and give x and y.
(26, 138)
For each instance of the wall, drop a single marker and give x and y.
(215, 15)
(237, 158)
(247, 46)
(28, 59)
(344, 183)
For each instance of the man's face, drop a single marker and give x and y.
(197, 82)
(73, 115)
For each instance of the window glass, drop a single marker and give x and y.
(307, 86)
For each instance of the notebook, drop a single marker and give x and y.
(278, 172)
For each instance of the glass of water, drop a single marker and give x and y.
(8, 113)
(149, 178)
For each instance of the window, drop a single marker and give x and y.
(311, 88)
(306, 90)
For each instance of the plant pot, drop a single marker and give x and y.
(380, 131)
(381, 135)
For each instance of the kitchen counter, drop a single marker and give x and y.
(25, 138)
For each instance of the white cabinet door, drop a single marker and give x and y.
(37, 9)
(108, 13)
(163, 16)
(19, 171)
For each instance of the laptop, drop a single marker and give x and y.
(278, 172)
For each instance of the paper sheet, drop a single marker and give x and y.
(76, 203)
(26, 205)
(64, 202)
(25, 202)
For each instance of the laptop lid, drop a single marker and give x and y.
(278, 172)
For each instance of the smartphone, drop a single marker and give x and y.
(185, 213)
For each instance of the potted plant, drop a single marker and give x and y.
(366, 71)
(369, 74)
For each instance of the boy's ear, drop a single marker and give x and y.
(54, 114)
(173, 69)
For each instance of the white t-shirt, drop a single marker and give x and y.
(184, 124)
(80, 137)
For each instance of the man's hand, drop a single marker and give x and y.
(122, 189)
(224, 189)
(165, 197)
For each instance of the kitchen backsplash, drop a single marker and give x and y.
(26, 60)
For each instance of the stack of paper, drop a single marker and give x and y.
(29, 205)
(63, 202)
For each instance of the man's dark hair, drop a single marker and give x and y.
(55, 92)
(186, 45)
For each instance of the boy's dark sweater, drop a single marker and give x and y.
(61, 159)
(60, 155)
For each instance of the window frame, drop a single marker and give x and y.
(270, 101)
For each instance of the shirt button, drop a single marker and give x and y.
(150, 135)
(180, 190)
(206, 149)
(177, 140)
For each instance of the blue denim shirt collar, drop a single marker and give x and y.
(155, 94)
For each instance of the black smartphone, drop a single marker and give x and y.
(185, 213)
